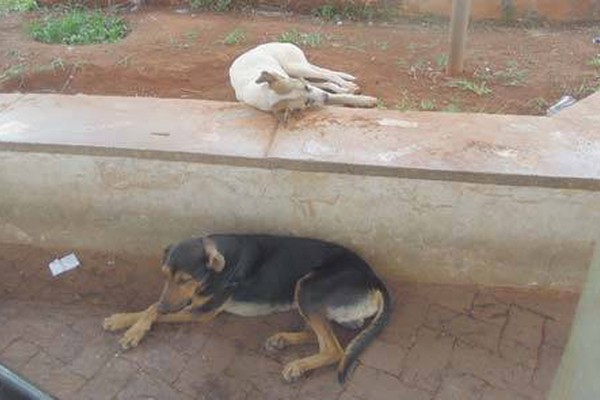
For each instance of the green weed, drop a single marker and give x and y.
(427, 105)
(353, 11)
(12, 72)
(7, 6)
(594, 62)
(78, 26)
(480, 89)
(313, 39)
(237, 36)
(512, 75)
(212, 5)
(442, 61)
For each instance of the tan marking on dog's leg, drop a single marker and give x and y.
(123, 320)
(133, 336)
(281, 340)
(186, 316)
(330, 351)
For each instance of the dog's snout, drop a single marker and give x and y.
(163, 308)
(166, 308)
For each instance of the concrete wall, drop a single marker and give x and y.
(555, 10)
(419, 230)
(430, 197)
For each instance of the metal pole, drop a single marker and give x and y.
(13, 387)
(458, 35)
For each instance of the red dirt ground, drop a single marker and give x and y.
(175, 55)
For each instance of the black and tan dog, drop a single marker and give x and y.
(254, 275)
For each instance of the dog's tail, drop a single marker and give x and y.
(366, 336)
(353, 100)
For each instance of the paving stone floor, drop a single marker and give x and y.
(443, 342)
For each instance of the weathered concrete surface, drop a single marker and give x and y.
(576, 377)
(482, 148)
(508, 10)
(495, 200)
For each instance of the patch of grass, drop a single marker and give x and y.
(594, 62)
(313, 39)
(479, 88)
(212, 5)
(406, 102)
(78, 26)
(512, 75)
(584, 89)
(7, 6)
(539, 105)
(326, 12)
(381, 105)
(383, 46)
(237, 36)
(191, 36)
(427, 105)
(401, 62)
(188, 40)
(12, 72)
(453, 107)
(354, 11)
(442, 61)
(14, 55)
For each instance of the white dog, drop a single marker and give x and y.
(277, 77)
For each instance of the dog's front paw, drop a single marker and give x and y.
(133, 336)
(275, 343)
(118, 321)
(293, 371)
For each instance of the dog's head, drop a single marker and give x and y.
(295, 92)
(187, 265)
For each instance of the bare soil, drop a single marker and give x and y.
(183, 55)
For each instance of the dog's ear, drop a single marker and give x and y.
(279, 84)
(214, 259)
(268, 77)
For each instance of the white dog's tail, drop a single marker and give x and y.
(353, 100)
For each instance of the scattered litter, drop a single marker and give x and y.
(564, 102)
(64, 264)
(397, 122)
(596, 40)
(183, 10)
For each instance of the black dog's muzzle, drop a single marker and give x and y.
(165, 308)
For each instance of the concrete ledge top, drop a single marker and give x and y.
(561, 152)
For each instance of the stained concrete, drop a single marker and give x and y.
(512, 10)
(577, 377)
(428, 197)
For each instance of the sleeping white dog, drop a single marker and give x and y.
(277, 77)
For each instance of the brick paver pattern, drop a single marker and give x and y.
(443, 342)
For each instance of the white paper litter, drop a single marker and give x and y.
(63, 264)
(397, 122)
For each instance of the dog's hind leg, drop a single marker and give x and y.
(309, 300)
(330, 87)
(281, 340)
(309, 71)
(353, 100)
(330, 350)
